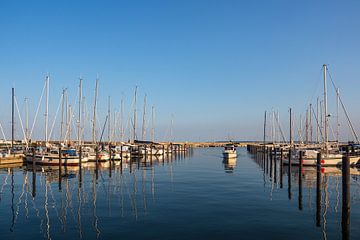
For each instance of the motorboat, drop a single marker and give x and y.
(229, 151)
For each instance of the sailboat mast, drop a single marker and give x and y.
(337, 114)
(134, 127)
(46, 108)
(94, 112)
(70, 120)
(62, 115)
(144, 119)
(307, 127)
(122, 120)
(310, 123)
(12, 117)
(325, 111)
(264, 140)
(109, 117)
(291, 137)
(26, 119)
(79, 113)
(152, 124)
(317, 117)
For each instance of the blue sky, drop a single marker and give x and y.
(216, 66)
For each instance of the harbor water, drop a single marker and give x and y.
(196, 195)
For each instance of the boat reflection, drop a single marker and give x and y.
(326, 182)
(127, 188)
(229, 164)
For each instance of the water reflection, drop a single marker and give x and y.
(73, 205)
(229, 164)
(327, 184)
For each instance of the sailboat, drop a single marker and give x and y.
(51, 155)
(330, 156)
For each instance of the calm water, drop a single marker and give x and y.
(189, 197)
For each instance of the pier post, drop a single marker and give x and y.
(318, 190)
(33, 175)
(60, 170)
(97, 162)
(121, 153)
(281, 167)
(146, 155)
(110, 161)
(300, 180)
(266, 153)
(271, 162)
(80, 166)
(275, 165)
(345, 216)
(289, 175)
(121, 162)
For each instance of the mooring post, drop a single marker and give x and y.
(80, 166)
(271, 161)
(289, 174)
(345, 218)
(60, 170)
(96, 162)
(121, 164)
(318, 190)
(110, 160)
(275, 166)
(266, 160)
(300, 179)
(33, 175)
(146, 153)
(281, 167)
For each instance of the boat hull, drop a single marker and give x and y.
(54, 161)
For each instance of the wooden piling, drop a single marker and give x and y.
(33, 175)
(289, 175)
(271, 162)
(300, 180)
(60, 168)
(318, 190)
(275, 166)
(80, 166)
(97, 162)
(281, 167)
(110, 160)
(345, 218)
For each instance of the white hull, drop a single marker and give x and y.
(53, 159)
(230, 154)
(325, 161)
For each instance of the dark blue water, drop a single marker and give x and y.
(188, 197)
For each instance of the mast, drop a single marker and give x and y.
(264, 129)
(109, 117)
(307, 127)
(317, 117)
(152, 124)
(26, 119)
(12, 117)
(144, 119)
(325, 112)
(310, 123)
(291, 137)
(62, 115)
(70, 118)
(337, 114)
(79, 113)
(94, 113)
(134, 127)
(46, 108)
(122, 120)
